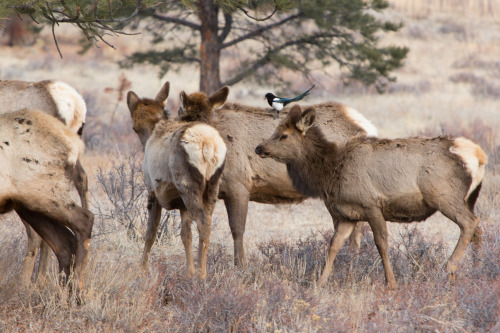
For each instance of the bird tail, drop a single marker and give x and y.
(304, 94)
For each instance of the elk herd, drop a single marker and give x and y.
(216, 150)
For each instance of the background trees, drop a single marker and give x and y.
(260, 37)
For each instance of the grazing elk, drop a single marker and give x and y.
(248, 178)
(63, 102)
(379, 180)
(37, 158)
(183, 163)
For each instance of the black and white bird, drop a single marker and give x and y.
(278, 103)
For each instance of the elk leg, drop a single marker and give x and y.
(154, 209)
(203, 218)
(60, 239)
(342, 232)
(354, 242)
(34, 242)
(187, 240)
(379, 229)
(355, 239)
(468, 224)
(355, 245)
(237, 208)
(43, 264)
(80, 180)
(204, 221)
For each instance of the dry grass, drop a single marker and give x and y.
(448, 85)
(275, 293)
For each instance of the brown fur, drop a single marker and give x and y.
(37, 156)
(183, 163)
(47, 96)
(377, 180)
(248, 178)
(199, 107)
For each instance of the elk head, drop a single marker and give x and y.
(146, 112)
(287, 142)
(199, 107)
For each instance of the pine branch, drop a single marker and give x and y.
(260, 31)
(247, 13)
(267, 58)
(169, 19)
(228, 18)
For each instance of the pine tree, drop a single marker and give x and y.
(262, 36)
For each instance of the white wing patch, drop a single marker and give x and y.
(70, 104)
(362, 122)
(278, 106)
(474, 159)
(205, 148)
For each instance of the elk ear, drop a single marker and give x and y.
(184, 100)
(132, 100)
(306, 120)
(163, 93)
(219, 97)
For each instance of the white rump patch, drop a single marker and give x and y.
(205, 148)
(76, 150)
(361, 121)
(70, 104)
(474, 159)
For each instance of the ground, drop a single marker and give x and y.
(450, 84)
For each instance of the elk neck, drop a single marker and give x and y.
(312, 173)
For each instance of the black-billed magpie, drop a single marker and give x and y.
(278, 103)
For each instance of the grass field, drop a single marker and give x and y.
(450, 84)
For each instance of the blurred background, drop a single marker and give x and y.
(411, 67)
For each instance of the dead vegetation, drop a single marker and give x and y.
(273, 293)
(276, 291)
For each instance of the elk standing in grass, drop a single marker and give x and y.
(63, 102)
(183, 163)
(37, 157)
(246, 178)
(379, 180)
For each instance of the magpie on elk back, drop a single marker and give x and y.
(278, 103)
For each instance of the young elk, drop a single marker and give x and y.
(379, 180)
(37, 157)
(183, 163)
(246, 178)
(63, 102)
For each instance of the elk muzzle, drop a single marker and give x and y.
(260, 150)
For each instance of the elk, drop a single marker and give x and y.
(246, 178)
(183, 164)
(38, 155)
(379, 180)
(63, 102)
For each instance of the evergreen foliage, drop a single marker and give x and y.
(260, 37)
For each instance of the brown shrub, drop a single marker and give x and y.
(480, 87)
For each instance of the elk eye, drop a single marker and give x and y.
(283, 137)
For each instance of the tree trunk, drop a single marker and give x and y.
(209, 50)
(18, 32)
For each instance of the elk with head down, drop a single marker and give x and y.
(63, 102)
(37, 157)
(246, 178)
(379, 180)
(183, 163)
